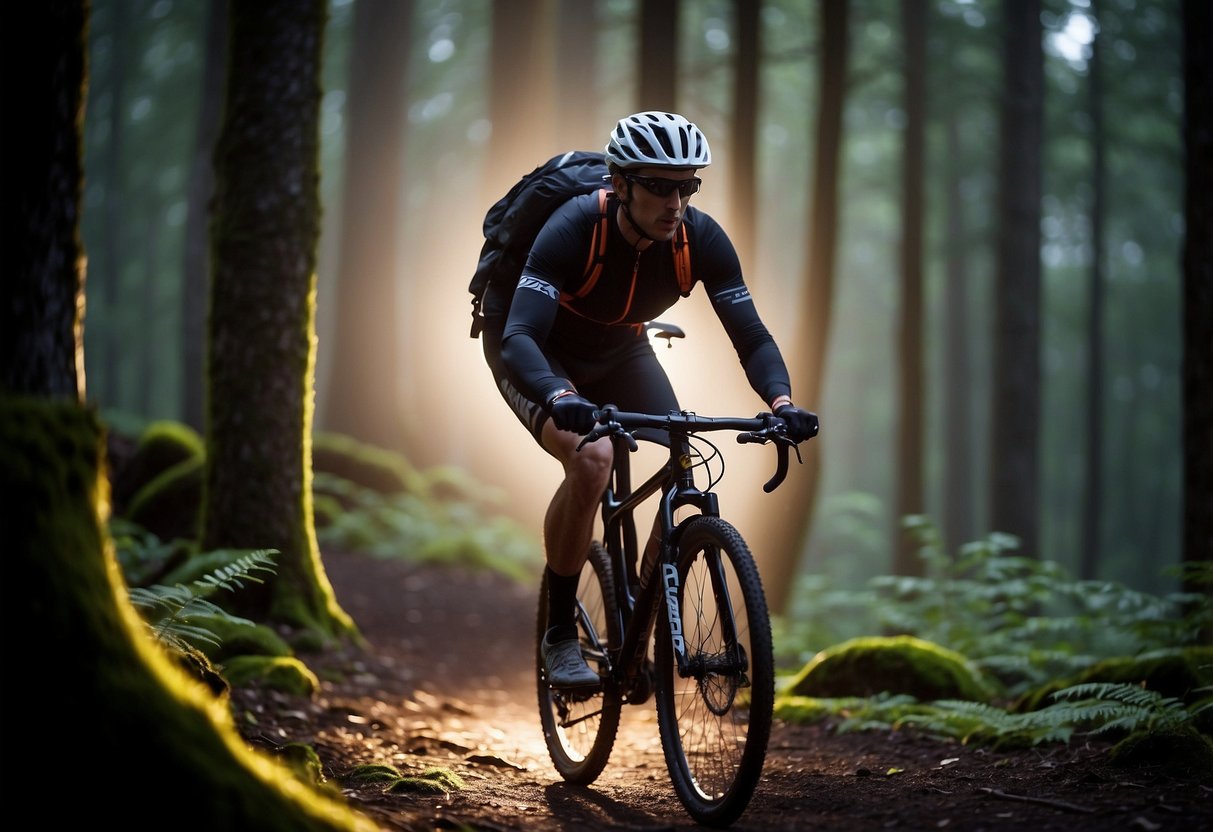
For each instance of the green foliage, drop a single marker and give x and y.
(1023, 620)
(142, 555)
(1090, 658)
(411, 527)
(1090, 710)
(169, 610)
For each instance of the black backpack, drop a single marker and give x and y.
(511, 225)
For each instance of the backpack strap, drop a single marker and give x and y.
(597, 255)
(682, 261)
(598, 243)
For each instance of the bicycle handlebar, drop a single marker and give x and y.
(760, 429)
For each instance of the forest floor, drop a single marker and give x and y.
(447, 680)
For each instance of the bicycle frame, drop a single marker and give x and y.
(676, 484)
(712, 673)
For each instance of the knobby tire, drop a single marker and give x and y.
(580, 729)
(716, 723)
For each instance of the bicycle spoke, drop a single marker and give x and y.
(715, 742)
(579, 728)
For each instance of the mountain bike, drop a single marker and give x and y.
(701, 606)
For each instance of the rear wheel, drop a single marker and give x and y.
(579, 728)
(715, 720)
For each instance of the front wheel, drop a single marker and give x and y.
(715, 714)
(578, 727)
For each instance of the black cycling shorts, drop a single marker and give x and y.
(629, 377)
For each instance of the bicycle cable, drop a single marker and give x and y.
(704, 461)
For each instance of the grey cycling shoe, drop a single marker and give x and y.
(566, 668)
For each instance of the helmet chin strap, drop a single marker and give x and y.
(632, 221)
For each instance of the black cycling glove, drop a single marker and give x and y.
(802, 424)
(572, 412)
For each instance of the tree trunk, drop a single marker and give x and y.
(146, 299)
(743, 176)
(364, 399)
(92, 658)
(1198, 291)
(797, 496)
(1092, 506)
(42, 306)
(958, 503)
(520, 95)
(911, 376)
(577, 110)
(1015, 412)
(258, 481)
(657, 70)
(196, 267)
(112, 253)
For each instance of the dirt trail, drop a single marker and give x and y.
(448, 681)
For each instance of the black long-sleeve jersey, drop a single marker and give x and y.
(547, 320)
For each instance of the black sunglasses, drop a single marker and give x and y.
(664, 187)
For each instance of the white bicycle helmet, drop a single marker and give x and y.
(658, 139)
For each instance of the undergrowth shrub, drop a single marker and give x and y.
(1023, 620)
(415, 528)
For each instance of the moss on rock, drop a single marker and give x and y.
(430, 781)
(161, 446)
(890, 664)
(1179, 672)
(169, 506)
(281, 673)
(373, 773)
(1182, 750)
(237, 638)
(365, 465)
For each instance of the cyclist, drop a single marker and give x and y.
(557, 351)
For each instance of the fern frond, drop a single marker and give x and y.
(230, 577)
(152, 598)
(168, 609)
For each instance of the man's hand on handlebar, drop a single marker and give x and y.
(573, 412)
(802, 424)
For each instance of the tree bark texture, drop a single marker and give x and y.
(1015, 410)
(1092, 499)
(743, 161)
(1198, 289)
(196, 268)
(42, 303)
(577, 107)
(958, 503)
(911, 374)
(89, 651)
(520, 95)
(657, 74)
(258, 481)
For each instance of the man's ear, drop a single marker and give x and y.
(621, 187)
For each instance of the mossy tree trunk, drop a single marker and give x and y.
(91, 673)
(261, 370)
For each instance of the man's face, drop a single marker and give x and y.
(658, 216)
